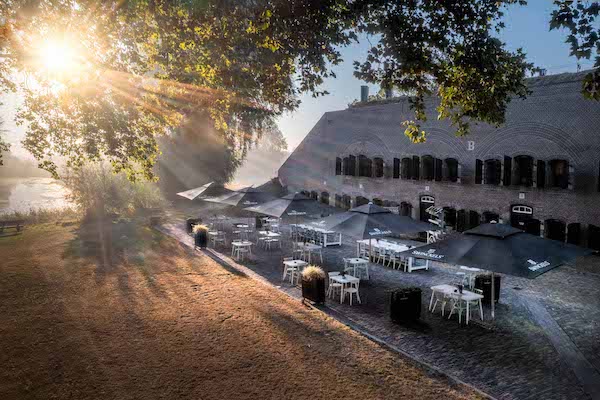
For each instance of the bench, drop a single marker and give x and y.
(18, 225)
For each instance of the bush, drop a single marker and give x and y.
(313, 272)
(95, 189)
(42, 215)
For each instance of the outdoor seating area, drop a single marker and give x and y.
(323, 237)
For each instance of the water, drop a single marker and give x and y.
(23, 194)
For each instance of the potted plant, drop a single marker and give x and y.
(200, 233)
(313, 284)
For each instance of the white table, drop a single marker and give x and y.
(358, 262)
(269, 234)
(344, 281)
(311, 248)
(472, 272)
(239, 245)
(328, 238)
(466, 295)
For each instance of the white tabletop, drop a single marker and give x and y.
(242, 244)
(269, 234)
(344, 279)
(357, 261)
(449, 289)
(310, 246)
(295, 263)
(470, 269)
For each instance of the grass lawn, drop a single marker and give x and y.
(119, 311)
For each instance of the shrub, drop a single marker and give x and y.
(313, 272)
(41, 215)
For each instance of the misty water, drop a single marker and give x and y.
(23, 194)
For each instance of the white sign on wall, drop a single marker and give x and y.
(521, 196)
(470, 145)
(427, 188)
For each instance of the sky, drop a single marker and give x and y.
(526, 27)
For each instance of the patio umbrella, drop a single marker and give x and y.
(500, 248)
(293, 205)
(371, 221)
(193, 193)
(242, 198)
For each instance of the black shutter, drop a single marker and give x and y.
(574, 234)
(396, 168)
(438, 169)
(478, 171)
(338, 166)
(541, 174)
(415, 168)
(352, 166)
(461, 220)
(507, 171)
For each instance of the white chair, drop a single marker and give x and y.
(269, 243)
(219, 238)
(334, 286)
(292, 271)
(439, 297)
(476, 304)
(458, 305)
(352, 289)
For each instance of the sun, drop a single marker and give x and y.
(58, 56)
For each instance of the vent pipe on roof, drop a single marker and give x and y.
(364, 93)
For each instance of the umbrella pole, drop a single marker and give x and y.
(370, 249)
(493, 296)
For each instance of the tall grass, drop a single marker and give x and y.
(42, 215)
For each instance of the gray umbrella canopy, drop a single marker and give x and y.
(370, 222)
(243, 198)
(193, 193)
(293, 205)
(500, 248)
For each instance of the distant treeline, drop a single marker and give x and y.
(15, 167)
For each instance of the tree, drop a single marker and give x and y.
(105, 79)
(581, 19)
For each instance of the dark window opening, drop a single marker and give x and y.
(406, 171)
(365, 166)
(541, 174)
(452, 169)
(493, 172)
(555, 230)
(338, 201)
(559, 173)
(396, 174)
(361, 201)
(428, 169)
(406, 209)
(478, 172)
(594, 237)
(489, 217)
(450, 217)
(524, 171)
(574, 233)
(338, 166)
(378, 202)
(461, 221)
(314, 195)
(346, 165)
(325, 198)
(378, 167)
(507, 178)
(346, 201)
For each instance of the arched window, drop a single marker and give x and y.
(351, 165)
(451, 169)
(415, 168)
(325, 197)
(574, 233)
(450, 217)
(474, 219)
(338, 166)
(378, 167)
(559, 173)
(361, 201)
(489, 217)
(314, 195)
(406, 172)
(493, 172)
(346, 201)
(365, 166)
(428, 168)
(523, 174)
(338, 201)
(346, 165)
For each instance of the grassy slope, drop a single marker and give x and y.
(133, 315)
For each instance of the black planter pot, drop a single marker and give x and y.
(314, 290)
(201, 238)
(484, 282)
(405, 304)
(258, 223)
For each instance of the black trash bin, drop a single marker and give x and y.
(405, 304)
(484, 282)
(201, 238)
(258, 222)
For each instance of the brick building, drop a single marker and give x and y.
(539, 171)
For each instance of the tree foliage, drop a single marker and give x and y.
(145, 67)
(581, 19)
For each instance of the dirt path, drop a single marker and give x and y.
(136, 317)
